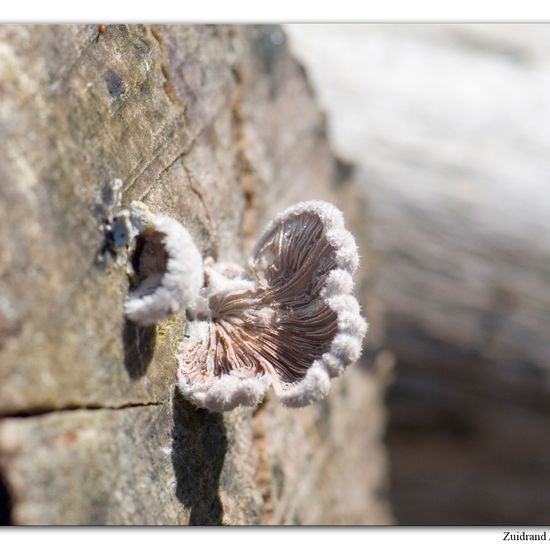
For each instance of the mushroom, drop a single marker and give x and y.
(289, 320)
(167, 264)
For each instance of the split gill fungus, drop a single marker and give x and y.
(288, 320)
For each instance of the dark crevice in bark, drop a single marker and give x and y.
(42, 411)
(167, 85)
(5, 504)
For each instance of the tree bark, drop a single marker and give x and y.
(218, 127)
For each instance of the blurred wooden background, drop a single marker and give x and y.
(449, 129)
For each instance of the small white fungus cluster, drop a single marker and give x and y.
(173, 278)
(289, 321)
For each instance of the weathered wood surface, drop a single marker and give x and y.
(217, 126)
(448, 125)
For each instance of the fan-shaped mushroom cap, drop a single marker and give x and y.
(292, 322)
(169, 267)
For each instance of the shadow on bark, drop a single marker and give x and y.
(5, 505)
(139, 347)
(199, 445)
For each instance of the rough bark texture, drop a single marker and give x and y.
(217, 126)
(454, 121)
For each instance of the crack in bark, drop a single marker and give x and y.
(167, 85)
(172, 162)
(165, 145)
(43, 411)
(194, 187)
(171, 94)
(148, 164)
